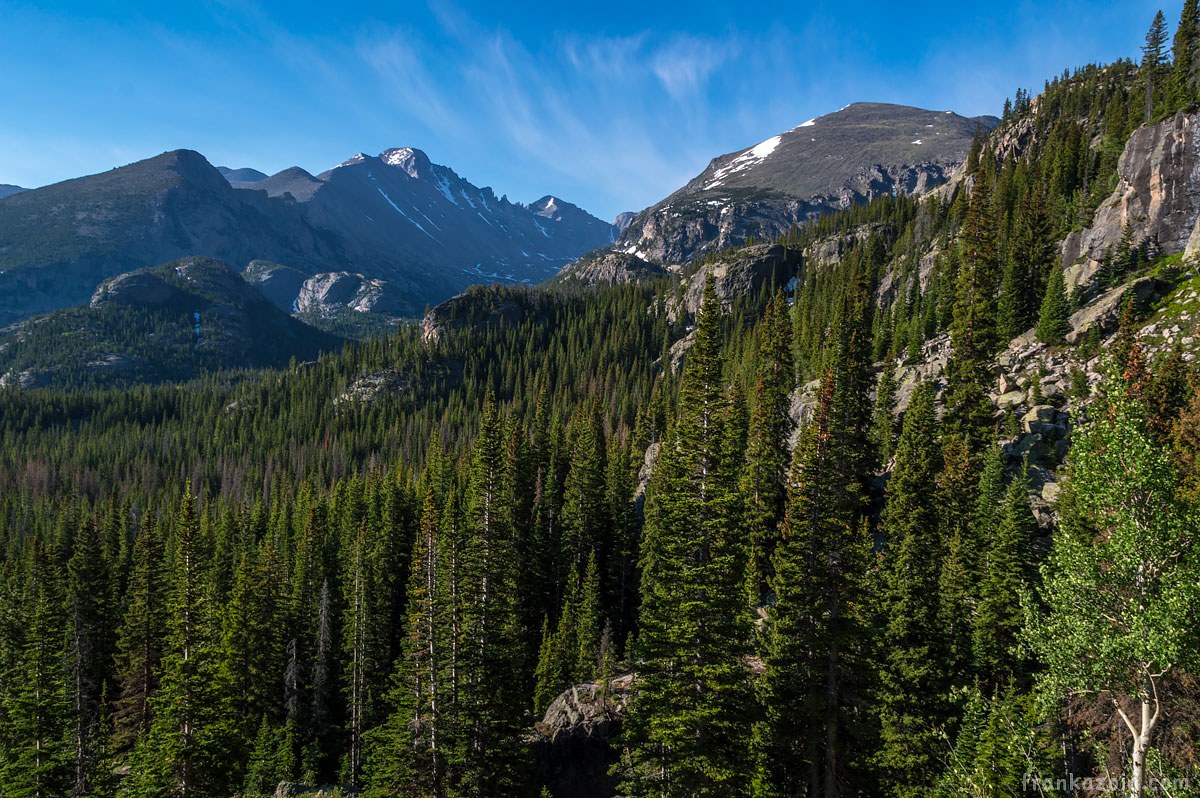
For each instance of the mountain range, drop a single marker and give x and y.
(376, 238)
(396, 217)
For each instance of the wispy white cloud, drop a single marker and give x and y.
(618, 116)
(684, 63)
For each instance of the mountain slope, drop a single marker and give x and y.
(419, 226)
(59, 242)
(171, 322)
(863, 151)
(7, 190)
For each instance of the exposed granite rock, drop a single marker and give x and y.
(572, 747)
(326, 294)
(1157, 195)
(479, 308)
(134, 288)
(608, 267)
(742, 272)
(1105, 312)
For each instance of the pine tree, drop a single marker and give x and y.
(141, 639)
(492, 684)
(883, 424)
(408, 755)
(973, 328)
(583, 509)
(812, 649)
(187, 748)
(1052, 327)
(770, 426)
(911, 679)
(998, 620)
(1184, 57)
(87, 649)
(588, 624)
(39, 748)
(1153, 60)
(957, 488)
(684, 729)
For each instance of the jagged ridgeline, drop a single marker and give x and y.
(903, 502)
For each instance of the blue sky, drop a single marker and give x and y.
(609, 105)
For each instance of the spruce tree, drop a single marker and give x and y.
(998, 619)
(408, 752)
(812, 651)
(973, 328)
(684, 730)
(39, 746)
(188, 746)
(141, 639)
(1153, 60)
(491, 657)
(87, 648)
(584, 514)
(1052, 327)
(912, 681)
(1184, 57)
(763, 484)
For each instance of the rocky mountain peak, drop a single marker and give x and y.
(850, 156)
(413, 161)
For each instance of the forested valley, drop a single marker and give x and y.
(757, 536)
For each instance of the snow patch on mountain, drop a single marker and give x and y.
(751, 157)
(353, 159)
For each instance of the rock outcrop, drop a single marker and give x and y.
(1105, 312)
(740, 272)
(1157, 197)
(572, 746)
(327, 294)
(608, 267)
(479, 308)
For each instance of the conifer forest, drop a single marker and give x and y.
(813, 535)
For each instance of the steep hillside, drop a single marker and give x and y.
(169, 323)
(59, 242)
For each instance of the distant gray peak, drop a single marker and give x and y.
(412, 161)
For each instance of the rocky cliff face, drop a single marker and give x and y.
(741, 272)
(1157, 197)
(327, 294)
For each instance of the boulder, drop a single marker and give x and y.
(1038, 417)
(572, 747)
(1010, 399)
